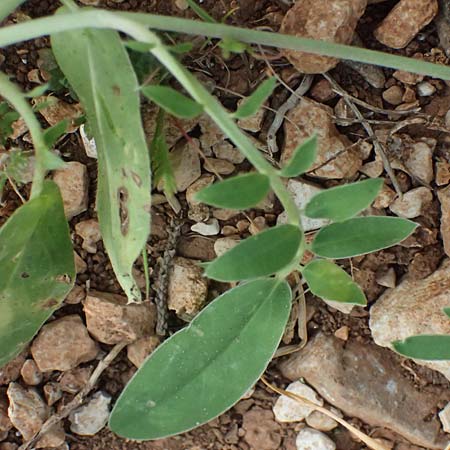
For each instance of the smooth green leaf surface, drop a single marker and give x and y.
(8, 6)
(52, 134)
(36, 269)
(344, 202)
(428, 347)
(253, 103)
(98, 67)
(260, 255)
(239, 192)
(172, 101)
(447, 311)
(330, 282)
(204, 369)
(361, 235)
(302, 159)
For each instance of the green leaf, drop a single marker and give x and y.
(8, 6)
(239, 192)
(98, 67)
(230, 45)
(447, 311)
(200, 11)
(181, 48)
(343, 202)
(38, 91)
(172, 101)
(7, 118)
(330, 282)
(251, 104)
(204, 369)
(52, 134)
(302, 159)
(36, 269)
(260, 255)
(137, 46)
(361, 235)
(428, 347)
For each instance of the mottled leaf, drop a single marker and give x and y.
(204, 369)
(36, 269)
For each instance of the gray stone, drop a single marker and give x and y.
(365, 381)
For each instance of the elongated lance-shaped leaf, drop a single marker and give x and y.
(302, 159)
(52, 134)
(253, 103)
(425, 346)
(263, 254)
(97, 66)
(8, 6)
(204, 369)
(344, 202)
(330, 282)
(36, 269)
(361, 235)
(172, 101)
(239, 192)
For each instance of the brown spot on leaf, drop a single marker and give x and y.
(64, 278)
(24, 275)
(116, 90)
(136, 178)
(49, 303)
(123, 210)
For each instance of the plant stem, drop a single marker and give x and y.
(13, 95)
(104, 19)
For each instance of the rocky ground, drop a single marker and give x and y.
(364, 116)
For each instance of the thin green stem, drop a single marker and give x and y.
(103, 19)
(13, 95)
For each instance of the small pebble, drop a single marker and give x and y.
(310, 439)
(210, 228)
(31, 373)
(425, 89)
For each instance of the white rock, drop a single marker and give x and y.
(322, 422)
(425, 89)
(414, 307)
(186, 164)
(210, 228)
(412, 203)
(444, 415)
(73, 182)
(290, 410)
(90, 418)
(420, 161)
(302, 193)
(90, 146)
(222, 245)
(309, 439)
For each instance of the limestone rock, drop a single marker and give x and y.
(309, 439)
(444, 416)
(110, 319)
(209, 228)
(414, 307)
(31, 373)
(63, 344)
(311, 117)
(444, 199)
(222, 245)
(261, 430)
(413, 202)
(224, 150)
(89, 231)
(220, 166)
(326, 20)
(185, 164)
(320, 421)
(73, 183)
(420, 161)
(289, 410)
(404, 21)
(343, 373)
(138, 351)
(54, 438)
(302, 193)
(187, 287)
(90, 418)
(27, 411)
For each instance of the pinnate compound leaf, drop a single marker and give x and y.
(239, 192)
(204, 369)
(253, 103)
(36, 269)
(260, 255)
(330, 282)
(428, 347)
(344, 202)
(361, 235)
(172, 101)
(99, 70)
(302, 159)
